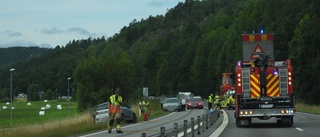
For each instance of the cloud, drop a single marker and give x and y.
(80, 31)
(13, 33)
(50, 31)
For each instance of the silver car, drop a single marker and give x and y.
(102, 113)
(172, 104)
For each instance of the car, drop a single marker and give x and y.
(102, 113)
(195, 102)
(172, 104)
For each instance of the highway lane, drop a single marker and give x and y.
(153, 126)
(305, 125)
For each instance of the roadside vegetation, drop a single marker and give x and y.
(28, 123)
(306, 108)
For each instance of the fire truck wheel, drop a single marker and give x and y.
(286, 121)
(238, 122)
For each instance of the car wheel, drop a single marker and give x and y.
(122, 117)
(134, 118)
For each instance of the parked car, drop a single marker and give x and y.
(195, 102)
(102, 113)
(172, 104)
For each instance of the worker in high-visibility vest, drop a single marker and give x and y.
(216, 102)
(145, 108)
(114, 111)
(210, 101)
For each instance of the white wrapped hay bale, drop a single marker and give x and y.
(59, 107)
(41, 113)
(48, 106)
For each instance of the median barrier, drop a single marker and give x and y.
(192, 128)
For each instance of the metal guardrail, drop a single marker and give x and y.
(188, 128)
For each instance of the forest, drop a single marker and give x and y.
(186, 49)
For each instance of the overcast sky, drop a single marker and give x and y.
(57, 22)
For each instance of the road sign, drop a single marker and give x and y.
(258, 49)
(145, 91)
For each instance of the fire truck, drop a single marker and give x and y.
(264, 87)
(227, 92)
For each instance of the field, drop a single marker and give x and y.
(29, 114)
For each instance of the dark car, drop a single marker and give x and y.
(102, 113)
(195, 102)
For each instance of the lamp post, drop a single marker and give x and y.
(68, 97)
(11, 70)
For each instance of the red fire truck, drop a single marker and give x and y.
(264, 87)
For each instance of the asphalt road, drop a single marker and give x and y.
(152, 127)
(305, 125)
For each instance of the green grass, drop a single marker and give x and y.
(29, 114)
(312, 109)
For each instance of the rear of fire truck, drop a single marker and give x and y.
(264, 87)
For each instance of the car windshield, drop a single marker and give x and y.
(195, 99)
(172, 100)
(102, 106)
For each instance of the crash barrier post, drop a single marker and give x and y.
(199, 121)
(203, 120)
(212, 119)
(185, 128)
(143, 134)
(207, 121)
(184, 131)
(192, 127)
(162, 131)
(176, 130)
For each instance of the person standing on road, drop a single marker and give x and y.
(145, 108)
(114, 111)
(210, 101)
(216, 102)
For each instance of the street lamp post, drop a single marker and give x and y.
(11, 70)
(68, 97)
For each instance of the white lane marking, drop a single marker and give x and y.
(224, 124)
(308, 114)
(163, 116)
(299, 129)
(96, 133)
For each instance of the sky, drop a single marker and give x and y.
(56, 22)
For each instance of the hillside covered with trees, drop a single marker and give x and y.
(185, 50)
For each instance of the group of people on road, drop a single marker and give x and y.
(215, 101)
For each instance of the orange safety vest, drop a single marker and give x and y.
(114, 104)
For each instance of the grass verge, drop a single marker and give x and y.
(312, 109)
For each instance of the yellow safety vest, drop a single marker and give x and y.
(210, 99)
(115, 104)
(145, 105)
